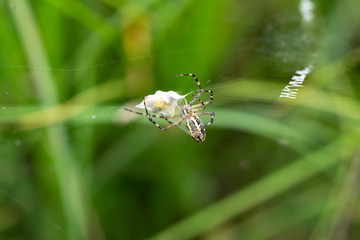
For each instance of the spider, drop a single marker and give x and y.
(188, 112)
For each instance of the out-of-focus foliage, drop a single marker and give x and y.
(74, 165)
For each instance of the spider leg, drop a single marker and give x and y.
(201, 92)
(208, 113)
(156, 124)
(197, 82)
(201, 104)
(153, 115)
(198, 109)
(170, 122)
(211, 97)
(192, 75)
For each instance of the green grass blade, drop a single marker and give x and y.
(68, 180)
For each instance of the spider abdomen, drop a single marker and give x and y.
(196, 128)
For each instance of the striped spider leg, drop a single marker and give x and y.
(201, 91)
(200, 107)
(150, 116)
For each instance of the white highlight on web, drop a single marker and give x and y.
(307, 10)
(291, 90)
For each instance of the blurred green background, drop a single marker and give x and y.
(74, 165)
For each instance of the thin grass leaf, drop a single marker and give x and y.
(71, 191)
